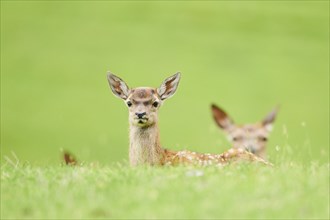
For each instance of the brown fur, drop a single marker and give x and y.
(193, 158)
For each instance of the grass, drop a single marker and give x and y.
(287, 191)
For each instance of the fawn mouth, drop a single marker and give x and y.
(142, 120)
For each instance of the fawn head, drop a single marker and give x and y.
(251, 137)
(143, 102)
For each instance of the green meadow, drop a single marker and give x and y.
(245, 56)
(119, 192)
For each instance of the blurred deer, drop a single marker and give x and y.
(143, 104)
(251, 137)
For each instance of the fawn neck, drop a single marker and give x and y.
(145, 145)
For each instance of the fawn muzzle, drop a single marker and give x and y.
(140, 115)
(251, 149)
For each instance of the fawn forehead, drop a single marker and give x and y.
(249, 130)
(143, 93)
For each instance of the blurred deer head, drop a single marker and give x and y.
(251, 137)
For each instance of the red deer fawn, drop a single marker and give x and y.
(251, 137)
(145, 148)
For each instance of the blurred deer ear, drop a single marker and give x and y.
(221, 117)
(118, 86)
(269, 119)
(169, 86)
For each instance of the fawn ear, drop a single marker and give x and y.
(169, 86)
(269, 119)
(221, 117)
(118, 86)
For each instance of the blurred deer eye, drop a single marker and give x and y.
(237, 138)
(129, 104)
(263, 138)
(155, 104)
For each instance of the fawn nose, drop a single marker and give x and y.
(140, 115)
(251, 149)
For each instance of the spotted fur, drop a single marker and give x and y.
(200, 159)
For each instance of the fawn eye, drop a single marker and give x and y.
(263, 138)
(237, 138)
(155, 104)
(129, 104)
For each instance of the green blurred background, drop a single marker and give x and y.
(245, 56)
